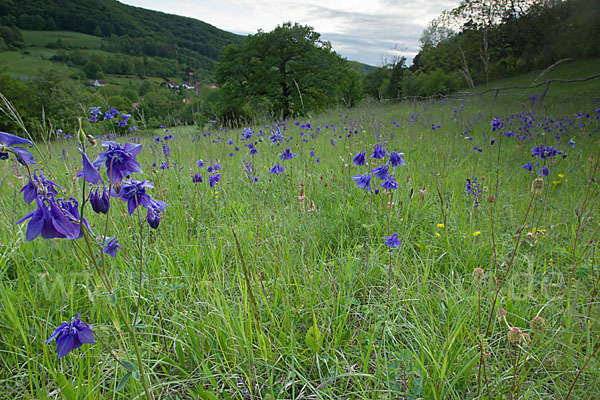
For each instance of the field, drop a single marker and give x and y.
(266, 285)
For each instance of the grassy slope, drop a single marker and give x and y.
(564, 70)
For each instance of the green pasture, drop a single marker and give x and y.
(314, 305)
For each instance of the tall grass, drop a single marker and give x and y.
(300, 309)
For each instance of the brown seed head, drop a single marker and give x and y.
(478, 275)
(491, 198)
(515, 335)
(537, 186)
(538, 324)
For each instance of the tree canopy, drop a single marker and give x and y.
(288, 71)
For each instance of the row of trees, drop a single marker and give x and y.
(484, 40)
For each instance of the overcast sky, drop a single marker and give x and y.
(369, 31)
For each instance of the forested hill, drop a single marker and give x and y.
(134, 30)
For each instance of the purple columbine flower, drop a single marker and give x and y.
(134, 193)
(71, 335)
(359, 159)
(380, 172)
(155, 210)
(54, 219)
(119, 160)
(197, 178)
(111, 247)
(392, 241)
(213, 179)
(112, 114)
(277, 169)
(200, 163)
(38, 185)
(287, 154)
(528, 166)
(100, 201)
(7, 140)
(396, 159)
(389, 183)
(496, 124)
(378, 152)
(363, 181)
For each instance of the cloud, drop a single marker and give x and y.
(365, 31)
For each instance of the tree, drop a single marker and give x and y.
(290, 70)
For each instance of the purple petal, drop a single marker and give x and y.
(133, 148)
(90, 172)
(25, 155)
(34, 228)
(64, 344)
(10, 140)
(85, 335)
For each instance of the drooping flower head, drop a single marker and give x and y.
(119, 160)
(100, 201)
(396, 159)
(155, 210)
(389, 183)
(359, 159)
(392, 241)
(7, 140)
(54, 218)
(287, 154)
(111, 247)
(134, 193)
(380, 172)
(378, 152)
(38, 185)
(277, 169)
(71, 335)
(197, 178)
(363, 181)
(213, 179)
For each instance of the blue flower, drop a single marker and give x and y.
(277, 169)
(71, 335)
(496, 124)
(155, 210)
(213, 179)
(363, 181)
(389, 183)
(7, 140)
(54, 219)
(378, 152)
(134, 193)
(100, 202)
(287, 154)
(200, 163)
(119, 160)
(197, 178)
(38, 185)
(396, 159)
(527, 166)
(392, 241)
(544, 171)
(359, 159)
(111, 247)
(380, 172)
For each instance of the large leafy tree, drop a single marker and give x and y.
(288, 71)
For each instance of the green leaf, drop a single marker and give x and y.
(313, 338)
(128, 365)
(123, 381)
(136, 375)
(65, 387)
(112, 299)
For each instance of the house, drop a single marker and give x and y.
(187, 85)
(96, 83)
(172, 85)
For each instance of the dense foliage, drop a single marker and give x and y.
(288, 71)
(495, 39)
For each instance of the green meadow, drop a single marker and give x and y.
(283, 287)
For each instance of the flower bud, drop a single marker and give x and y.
(515, 335)
(478, 275)
(81, 134)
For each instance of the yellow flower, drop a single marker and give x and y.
(441, 226)
(555, 182)
(561, 176)
(476, 233)
(437, 234)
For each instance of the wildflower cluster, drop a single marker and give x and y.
(381, 172)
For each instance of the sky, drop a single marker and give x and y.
(370, 31)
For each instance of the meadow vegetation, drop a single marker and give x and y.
(278, 279)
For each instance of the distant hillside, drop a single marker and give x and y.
(131, 30)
